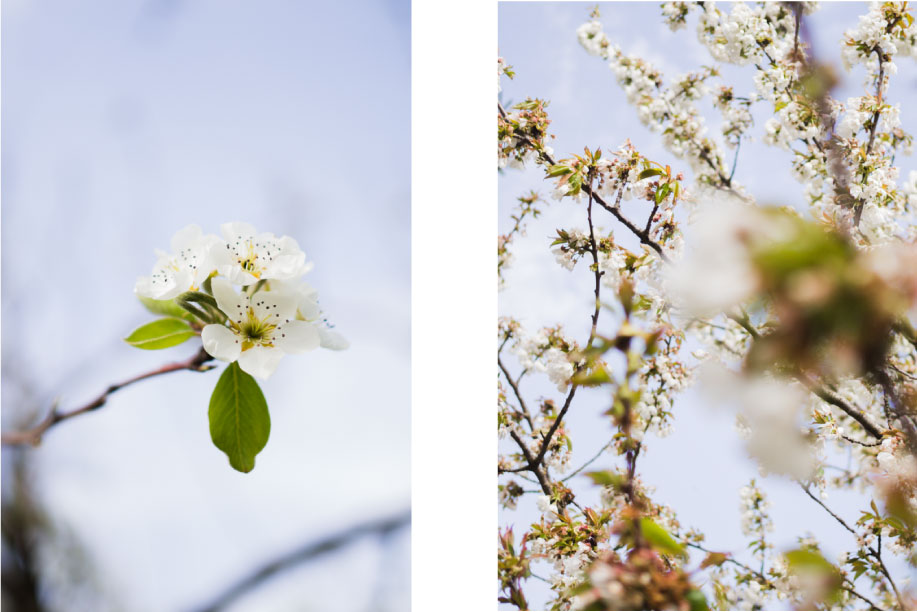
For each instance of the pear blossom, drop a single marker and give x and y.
(185, 269)
(249, 256)
(261, 328)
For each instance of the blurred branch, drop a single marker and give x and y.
(21, 527)
(34, 435)
(306, 553)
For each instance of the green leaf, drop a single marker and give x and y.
(660, 539)
(592, 378)
(662, 192)
(559, 170)
(804, 558)
(697, 600)
(165, 307)
(160, 334)
(239, 420)
(648, 173)
(606, 479)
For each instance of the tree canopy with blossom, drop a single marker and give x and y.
(801, 315)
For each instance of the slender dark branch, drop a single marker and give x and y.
(860, 442)
(595, 320)
(649, 220)
(588, 463)
(836, 400)
(735, 160)
(513, 385)
(766, 54)
(876, 554)
(305, 554)
(902, 372)
(524, 468)
(828, 510)
(725, 180)
(34, 435)
(532, 466)
(877, 112)
(748, 569)
(597, 272)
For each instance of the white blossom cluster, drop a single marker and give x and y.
(545, 352)
(568, 568)
(884, 31)
(675, 13)
(671, 112)
(744, 35)
(896, 460)
(275, 313)
(737, 118)
(756, 522)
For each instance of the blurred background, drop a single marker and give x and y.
(699, 469)
(124, 121)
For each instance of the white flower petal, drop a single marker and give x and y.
(236, 275)
(187, 237)
(230, 302)
(232, 231)
(259, 361)
(288, 265)
(297, 337)
(274, 307)
(331, 339)
(221, 343)
(309, 309)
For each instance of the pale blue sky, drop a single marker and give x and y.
(699, 469)
(125, 121)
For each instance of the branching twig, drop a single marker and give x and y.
(614, 210)
(588, 463)
(34, 435)
(876, 554)
(595, 320)
(515, 387)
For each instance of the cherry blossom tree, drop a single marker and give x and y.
(801, 315)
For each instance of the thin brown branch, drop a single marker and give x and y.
(594, 250)
(588, 463)
(595, 320)
(515, 387)
(835, 400)
(858, 211)
(532, 465)
(34, 435)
